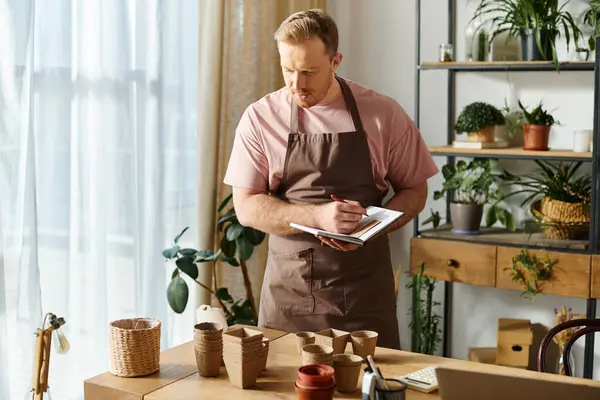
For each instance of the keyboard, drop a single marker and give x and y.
(423, 380)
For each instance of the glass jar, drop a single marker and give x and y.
(446, 53)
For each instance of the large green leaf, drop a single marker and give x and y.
(245, 248)
(223, 294)
(176, 240)
(228, 248)
(207, 255)
(187, 265)
(224, 202)
(229, 216)
(177, 294)
(188, 252)
(233, 231)
(170, 253)
(231, 261)
(254, 236)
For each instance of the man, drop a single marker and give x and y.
(296, 147)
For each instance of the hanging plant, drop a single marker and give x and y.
(532, 272)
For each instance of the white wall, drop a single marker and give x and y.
(377, 38)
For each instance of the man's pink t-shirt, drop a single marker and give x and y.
(398, 152)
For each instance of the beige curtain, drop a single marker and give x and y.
(239, 64)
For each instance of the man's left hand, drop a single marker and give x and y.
(338, 244)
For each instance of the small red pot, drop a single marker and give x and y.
(315, 375)
(315, 382)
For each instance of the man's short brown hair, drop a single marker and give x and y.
(309, 24)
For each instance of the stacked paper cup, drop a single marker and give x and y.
(265, 343)
(208, 347)
(317, 354)
(243, 353)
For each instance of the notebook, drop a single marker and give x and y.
(376, 220)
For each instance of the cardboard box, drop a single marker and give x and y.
(515, 337)
(485, 355)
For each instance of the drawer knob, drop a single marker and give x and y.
(452, 263)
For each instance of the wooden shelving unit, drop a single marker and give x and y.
(511, 152)
(505, 237)
(516, 66)
(483, 257)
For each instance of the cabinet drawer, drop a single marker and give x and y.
(571, 273)
(449, 260)
(595, 289)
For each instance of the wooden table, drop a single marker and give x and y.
(179, 379)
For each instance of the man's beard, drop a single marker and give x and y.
(313, 98)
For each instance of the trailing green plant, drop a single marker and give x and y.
(514, 119)
(532, 272)
(478, 115)
(425, 323)
(514, 16)
(557, 182)
(591, 18)
(475, 182)
(236, 246)
(537, 116)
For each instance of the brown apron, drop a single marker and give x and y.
(309, 287)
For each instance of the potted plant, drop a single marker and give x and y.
(536, 22)
(560, 201)
(472, 185)
(425, 322)
(235, 248)
(590, 22)
(479, 120)
(536, 127)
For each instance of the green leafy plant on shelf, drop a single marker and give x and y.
(478, 120)
(590, 18)
(557, 182)
(474, 183)
(532, 272)
(560, 199)
(537, 23)
(425, 323)
(236, 246)
(537, 116)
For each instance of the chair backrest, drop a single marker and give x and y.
(586, 326)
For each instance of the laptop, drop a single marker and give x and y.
(459, 384)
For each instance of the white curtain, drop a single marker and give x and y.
(98, 172)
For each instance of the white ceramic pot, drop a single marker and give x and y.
(206, 313)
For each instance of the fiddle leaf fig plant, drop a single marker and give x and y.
(236, 246)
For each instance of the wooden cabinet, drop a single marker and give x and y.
(571, 273)
(575, 275)
(455, 261)
(595, 281)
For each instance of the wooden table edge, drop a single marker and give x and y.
(89, 383)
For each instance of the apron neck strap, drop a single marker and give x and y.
(350, 103)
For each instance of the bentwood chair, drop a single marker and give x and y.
(585, 326)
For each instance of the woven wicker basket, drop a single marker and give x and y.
(134, 346)
(561, 220)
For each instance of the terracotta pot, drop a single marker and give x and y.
(315, 382)
(485, 135)
(316, 375)
(536, 137)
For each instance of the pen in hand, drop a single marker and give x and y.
(336, 198)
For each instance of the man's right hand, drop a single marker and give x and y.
(340, 217)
